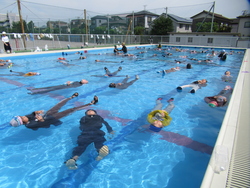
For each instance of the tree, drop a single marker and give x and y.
(99, 30)
(30, 27)
(162, 26)
(16, 27)
(206, 27)
(139, 30)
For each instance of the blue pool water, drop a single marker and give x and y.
(175, 157)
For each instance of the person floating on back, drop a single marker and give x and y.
(194, 85)
(158, 117)
(38, 119)
(20, 73)
(90, 125)
(220, 99)
(124, 84)
(68, 84)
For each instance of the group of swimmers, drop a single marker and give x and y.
(91, 123)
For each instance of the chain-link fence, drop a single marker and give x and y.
(40, 42)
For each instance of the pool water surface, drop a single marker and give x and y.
(177, 156)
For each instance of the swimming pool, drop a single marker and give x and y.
(175, 157)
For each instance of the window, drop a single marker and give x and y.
(210, 40)
(186, 27)
(247, 25)
(181, 26)
(178, 39)
(100, 21)
(190, 39)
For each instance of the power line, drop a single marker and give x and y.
(8, 6)
(53, 6)
(33, 13)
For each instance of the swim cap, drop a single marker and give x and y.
(16, 121)
(213, 104)
(154, 128)
(38, 73)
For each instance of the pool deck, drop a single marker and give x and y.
(230, 162)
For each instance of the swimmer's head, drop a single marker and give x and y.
(112, 85)
(37, 73)
(189, 66)
(204, 81)
(16, 121)
(83, 81)
(227, 73)
(90, 112)
(213, 104)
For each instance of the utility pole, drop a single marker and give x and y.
(108, 24)
(21, 22)
(212, 24)
(133, 24)
(86, 24)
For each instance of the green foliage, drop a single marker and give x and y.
(16, 27)
(206, 27)
(139, 30)
(99, 30)
(162, 26)
(30, 27)
(225, 28)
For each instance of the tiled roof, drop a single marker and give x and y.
(179, 19)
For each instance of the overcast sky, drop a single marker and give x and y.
(182, 8)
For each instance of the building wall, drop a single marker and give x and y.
(242, 29)
(99, 22)
(182, 27)
(204, 39)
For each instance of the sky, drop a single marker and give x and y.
(32, 9)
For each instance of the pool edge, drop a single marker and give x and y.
(232, 145)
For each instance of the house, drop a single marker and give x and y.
(78, 22)
(57, 24)
(218, 18)
(244, 25)
(98, 20)
(180, 24)
(143, 18)
(117, 23)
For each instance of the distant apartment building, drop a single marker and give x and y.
(6, 20)
(143, 18)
